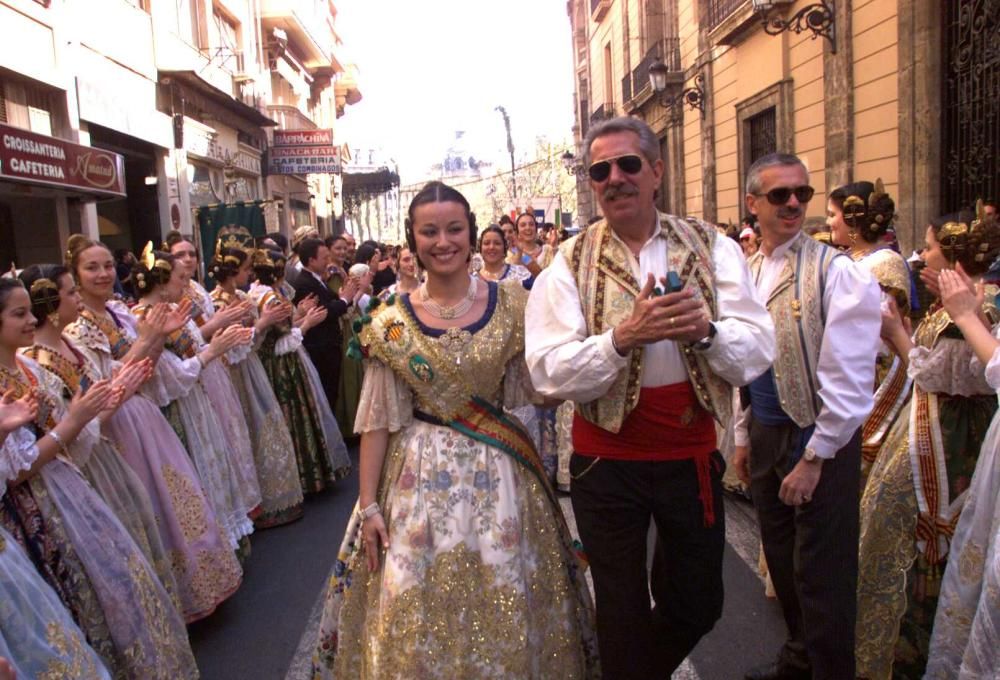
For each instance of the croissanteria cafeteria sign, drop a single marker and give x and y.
(38, 159)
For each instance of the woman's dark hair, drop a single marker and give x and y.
(42, 284)
(267, 264)
(436, 192)
(867, 211)
(7, 286)
(330, 240)
(505, 219)
(279, 239)
(75, 245)
(493, 229)
(226, 263)
(975, 247)
(174, 237)
(146, 279)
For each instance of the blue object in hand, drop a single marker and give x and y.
(674, 284)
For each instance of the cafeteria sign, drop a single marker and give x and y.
(303, 152)
(29, 157)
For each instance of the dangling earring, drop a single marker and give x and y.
(853, 236)
(53, 319)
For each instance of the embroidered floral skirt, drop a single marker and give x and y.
(897, 586)
(478, 582)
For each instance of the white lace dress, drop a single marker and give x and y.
(965, 642)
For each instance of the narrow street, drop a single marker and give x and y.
(267, 630)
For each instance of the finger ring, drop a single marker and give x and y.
(673, 322)
(806, 499)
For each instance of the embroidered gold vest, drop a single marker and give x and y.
(608, 289)
(796, 307)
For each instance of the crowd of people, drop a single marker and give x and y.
(154, 415)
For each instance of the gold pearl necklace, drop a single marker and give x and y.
(445, 311)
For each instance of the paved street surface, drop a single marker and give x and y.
(267, 630)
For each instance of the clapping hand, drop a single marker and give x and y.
(313, 318)
(17, 412)
(930, 276)
(100, 397)
(131, 377)
(176, 317)
(274, 314)
(960, 295)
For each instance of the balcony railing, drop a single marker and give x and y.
(602, 112)
(290, 118)
(598, 8)
(627, 87)
(717, 11)
(667, 50)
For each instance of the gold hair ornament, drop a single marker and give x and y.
(44, 292)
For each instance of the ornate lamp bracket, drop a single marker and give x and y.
(819, 18)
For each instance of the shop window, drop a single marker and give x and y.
(206, 185)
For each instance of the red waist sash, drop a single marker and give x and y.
(668, 423)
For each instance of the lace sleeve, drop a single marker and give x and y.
(289, 342)
(17, 454)
(946, 369)
(173, 378)
(385, 403)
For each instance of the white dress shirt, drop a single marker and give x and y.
(567, 363)
(845, 371)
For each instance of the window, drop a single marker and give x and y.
(717, 11)
(609, 78)
(227, 31)
(761, 135)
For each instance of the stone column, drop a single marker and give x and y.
(838, 87)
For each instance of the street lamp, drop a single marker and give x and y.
(693, 96)
(818, 18)
(573, 165)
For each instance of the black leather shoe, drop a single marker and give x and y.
(778, 670)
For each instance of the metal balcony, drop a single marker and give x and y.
(290, 118)
(717, 11)
(307, 24)
(602, 112)
(667, 50)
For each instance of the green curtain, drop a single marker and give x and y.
(212, 218)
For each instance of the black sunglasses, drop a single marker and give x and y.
(780, 195)
(601, 170)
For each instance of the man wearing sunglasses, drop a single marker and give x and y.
(798, 442)
(646, 321)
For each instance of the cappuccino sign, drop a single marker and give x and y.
(38, 159)
(303, 152)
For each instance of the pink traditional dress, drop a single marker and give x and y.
(78, 543)
(205, 570)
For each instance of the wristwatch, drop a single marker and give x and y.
(809, 455)
(706, 341)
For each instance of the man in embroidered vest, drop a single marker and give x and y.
(648, 370)
(801, 432)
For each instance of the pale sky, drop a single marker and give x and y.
(431, 67)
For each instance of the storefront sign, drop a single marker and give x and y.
(39, 159)
(302, 152)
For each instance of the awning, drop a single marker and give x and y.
(235, 106)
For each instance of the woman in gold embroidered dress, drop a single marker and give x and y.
(914, 495)
(204, 568)
(859, 216)
(464, 567)
(274, 452)
(196, 387)
(74, 538)
(55, 304)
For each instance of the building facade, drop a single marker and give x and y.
(903, 90)
(179, 97)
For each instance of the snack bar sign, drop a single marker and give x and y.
(39, 159)
(303, 152)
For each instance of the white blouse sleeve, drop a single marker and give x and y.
(386, 402)
(173, 378)
(289, 342)
(17, 454)
(947, 369)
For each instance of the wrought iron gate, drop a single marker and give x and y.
(970, 145)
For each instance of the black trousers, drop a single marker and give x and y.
(613, 501)
(327, 360)
(811, 550)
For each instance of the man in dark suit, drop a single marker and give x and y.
(324, 341)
